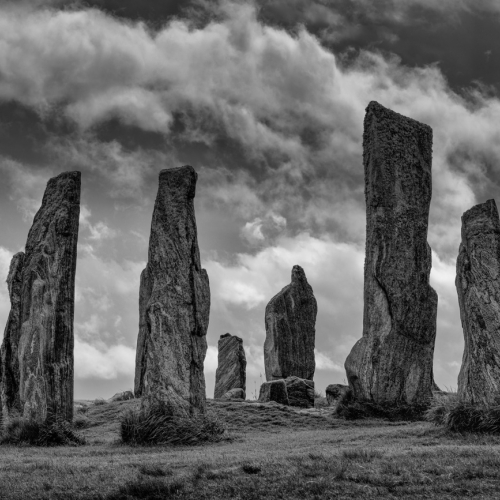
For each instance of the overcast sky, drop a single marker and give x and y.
(266, 101)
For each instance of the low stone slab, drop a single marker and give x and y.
(274, 391)
(300, 392)
(335, 392)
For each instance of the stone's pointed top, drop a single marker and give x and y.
(229, 336)
(381, 112)
(298, 274)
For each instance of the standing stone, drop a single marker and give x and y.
(232, 364)
(9, 361)
(392, 362)
(174, 302)
(39, 331)
(478, 288)
(290, 330)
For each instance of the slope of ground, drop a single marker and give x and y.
(274, 452)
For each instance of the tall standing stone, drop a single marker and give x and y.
(39, 331)
(231, 366)
(392, 362)
(174, 304)
(478, 288)
(290, 330)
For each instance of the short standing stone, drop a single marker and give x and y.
(238, 394)
(232, 363)
(336, 392)
(478, 288)
(40, 327)
(392, 362)
(290, 330)
(274, 391)
(300, 392)
(174, 304)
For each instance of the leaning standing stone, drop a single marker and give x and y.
(40, 327)
(232, 364)
(392, 362)
(478, 288)
(290, 330)
(174, 301)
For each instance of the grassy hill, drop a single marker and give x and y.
(271, 452)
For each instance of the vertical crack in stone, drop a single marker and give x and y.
(37, 352)
(478, 289)
(174, 304)
(392, 362)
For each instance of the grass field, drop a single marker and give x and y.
(272, 452)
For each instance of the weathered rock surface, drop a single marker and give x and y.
(335, 392)
(290, 330)
(392, 362)
(231, 367)
(478, 288)
(9, 361)
(300, 392)
(174, 303)
(274, 391)
(238, 394)
(39, 331)
(122, 396)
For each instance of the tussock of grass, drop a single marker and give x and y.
(53, 432)
(158, 424)
(154, 471)
(457, 416)
(81, 421)
(99, 401)
(151, 489)
(352, 409)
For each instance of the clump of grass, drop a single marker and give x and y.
(159, 424)
(361, 455)
(154, 471)
(99, 401)
(350, 408)
(151, 488)
(320, 402)
(458, 416)
(251, 469)
(81, 421)
(53, 432)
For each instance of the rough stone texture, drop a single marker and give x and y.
(290, 330)
(174, 303)
(300, 392)
(392, 362)
(335, 392)
(9, 361)
(232, 365)
(238, 394)
(39, 331)
(122, 396)
(274, 391)
(478, 288)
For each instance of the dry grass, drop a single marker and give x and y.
(308, 455)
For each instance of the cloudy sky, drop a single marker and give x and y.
(266, 100)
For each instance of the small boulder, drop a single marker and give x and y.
(336, 392)
(234, 394)
(122, 396)
(274, 391)
(300, 392)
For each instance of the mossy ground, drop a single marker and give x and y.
(273, 453)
